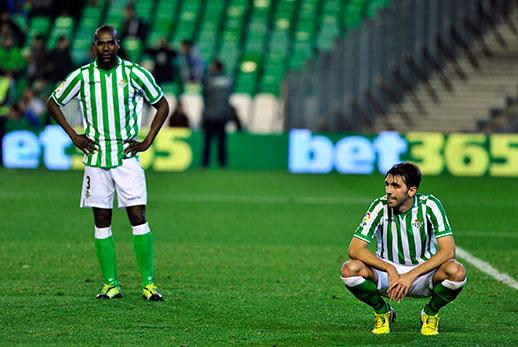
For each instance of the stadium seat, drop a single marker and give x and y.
(188, 19)
(162, 25)
(39, 25)
(133, 47)
(63, 26)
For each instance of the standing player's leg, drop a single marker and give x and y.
(105, 251)
(448, 281)
(143, 247)
(362, 281)
(97, 193)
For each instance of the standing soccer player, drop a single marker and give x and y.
(415, 252)
(110, 92)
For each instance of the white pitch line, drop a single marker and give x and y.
(487, 268)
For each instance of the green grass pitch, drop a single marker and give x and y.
(242, 258)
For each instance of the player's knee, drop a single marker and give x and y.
(136, 215)
(103, 218)
(351, 268)
(455, 271)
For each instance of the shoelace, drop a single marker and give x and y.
(432, 321)
(106, 288)
(151, 288)
(380, 320)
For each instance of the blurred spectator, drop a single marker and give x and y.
(179, 119)
(60, 61)
(29, 107)
(9, 28)
(21, 7)
(11, 58)
(70, 8)
(7, 95)
(37, 59)
(217, 111)
(192, 64)
(164, 57)
(42, 8)
(133, 25)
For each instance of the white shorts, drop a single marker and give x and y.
(422, 286)
(128, 180)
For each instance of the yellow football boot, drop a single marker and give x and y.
(383, 321)
(150, 292)
(430, 324)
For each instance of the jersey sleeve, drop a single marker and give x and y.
(144, 81)
(68, 89)
(438, 218)
(372, 218)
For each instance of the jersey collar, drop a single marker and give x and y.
(114, 67)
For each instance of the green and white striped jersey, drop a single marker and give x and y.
(405, 238)
(111, 106)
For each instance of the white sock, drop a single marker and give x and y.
(141, 229)
(103, 233)
(353, 281)
(453, 285)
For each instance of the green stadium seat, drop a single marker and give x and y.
(133, 47)
(39, 25)
(63, 26)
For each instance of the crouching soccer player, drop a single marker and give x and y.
(110, 92)
(414, 257)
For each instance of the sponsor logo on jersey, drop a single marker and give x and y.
(60, 88)
(366, 219)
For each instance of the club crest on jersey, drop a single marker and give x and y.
(122, 83)
(417, 223)
(366, 219)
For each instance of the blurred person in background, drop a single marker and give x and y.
(7, 96)
(191, 64)
(11, 58)
(164, 59)
(60, 60)
(179, 118)
(30, 107)
(43, 8)
(9, 28)
(111, 153)
(133, 25)
(415, 253)
(217, 111)
(38, 59)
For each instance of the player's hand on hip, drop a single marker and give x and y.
(135, 146)
(86, 145)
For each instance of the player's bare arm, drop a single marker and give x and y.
(86, 145)
(399, 289)
(358, 249)
(162, 108)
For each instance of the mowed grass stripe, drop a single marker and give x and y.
(487, 268)
(235, 272)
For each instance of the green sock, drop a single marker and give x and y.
(143, 246)
(441, 295)
(105, 250)
(368, 293)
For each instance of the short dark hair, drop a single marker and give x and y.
(104, 28)
(409, 172)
